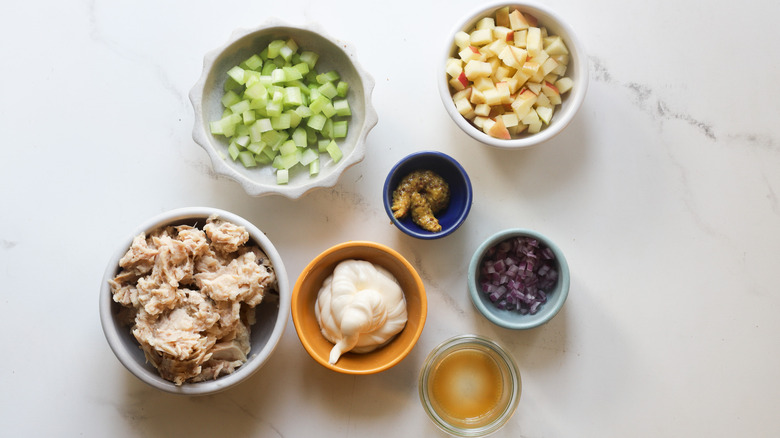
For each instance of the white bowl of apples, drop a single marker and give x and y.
(513, 75)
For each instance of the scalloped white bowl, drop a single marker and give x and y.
(334, 54)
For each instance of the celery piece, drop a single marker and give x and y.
(237, 73)
(330, 76)
(318, 103)
(266, 80)
(230, 98)
(231, 84)
(233, 151)
(311, 77)
(311, 136)
(292, 45)
(262, 159)
(270, 154)
(303, 111)
(255, 132)
(286, 53)
(328, 110)
(273, 109)
(310, 58)
(291, 74)
(295, 119)
(278, 76)
(334, 151)
(259, 104)
(264, 125)
(242, 141)
(252, 63)
(264, 54)
(322, 145)
(327, 129)
(288, 148)
(314, 167)
(278, 95)
(296, 59)
(247, 159)
(340, 129)
(286, 161)
(282, 176)
(249, 117)
(256, 91)
(240, 107)
(267, 69)
(342, 107)
(273, 139)
(304, 89)
(308, 156)
(216, 128)
(302, 68)
(274, 47)
(293, 96)
(299, 137)
(256, 147)
(328, 90)
(226, 112)
(316, 121)
(251, 77)
(241, 129)
(342, 88)
(281, 122)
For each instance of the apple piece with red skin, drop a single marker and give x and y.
(463, 79)
(498, 129)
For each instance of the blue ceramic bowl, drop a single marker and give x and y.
(509, 318)
(460, 192)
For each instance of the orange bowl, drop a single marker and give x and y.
(310, 281)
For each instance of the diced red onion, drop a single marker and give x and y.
(518, 274)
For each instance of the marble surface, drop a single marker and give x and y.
(663, 193)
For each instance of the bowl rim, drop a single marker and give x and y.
(465, 340)
(575, 100)
(255, 360)
(297, 316)
(204, 139)
(387, 194)
(550, 309)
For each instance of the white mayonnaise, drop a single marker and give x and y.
(360, 307)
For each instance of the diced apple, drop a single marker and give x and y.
(564, 84)
(482, 109)
(534, 86)
(503, 92)
(529, 68)
(463, 94)
(470, 53)
(512, 84)
(552, 92)
(561, 59)
(502, 17)
(560, 70)
(498, 129)
(531, 117)
(551, 78)
(535, 127)
(456, 84)
(521, 78)
(477, 96)
(463, 79)
(542, 100)
(475, 69)
(555, 46)
(479, 121)
(545, 114)
(492, 97)
(501, 32)
(484, 83)
(487, 124)
(523, 103)
(503, 72)
(496, 47)
(539, 58)
(510, 120)
(464, 108)
(549, 65)
(521, 38)
(462, 40)
(481, 37)
(517, 21)
(513, 56)
(454, 67)
(534, 41)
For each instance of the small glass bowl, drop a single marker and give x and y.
(469, 386)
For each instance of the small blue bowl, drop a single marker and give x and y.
(512, 319)
(460, 192)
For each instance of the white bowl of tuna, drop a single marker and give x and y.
(513, 75)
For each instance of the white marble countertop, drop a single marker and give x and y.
(663, 193)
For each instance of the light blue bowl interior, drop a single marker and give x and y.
(513, 319)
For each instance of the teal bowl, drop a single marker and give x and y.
(513, 319)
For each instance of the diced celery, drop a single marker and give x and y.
(293, 96)
(233, 151)
(328, 90)
(253, 62)
(311, 136)
(273, 139)
(328, 110)
(264, 54)
(342, 88)
(295, 119)
(291, 44)
(316, 121)
(216, 127)
(330, 76)
(327, 129)
(303, 111)
(256, 148)
(308, 156)
(274, 47)
(342, 107)
(249, 117)
(247, 159)
(282, 176)
(278, 76)
(256, 91)
(240, 107)
(227, 112)
(310, 58)
(251, 77)
(318, 103)
(270, 154)
(340, 129)
(230, 98)
(286, 161)
(299, 137)
(291, 74)
(334, 151)
(288, 148)
(264, 125)
(259, 104)
(268, 68)
(237, 73)
(286, 53)
(302, 68)
(242, 141)
(241, 129)
(273, 109)
(281, 122)
(314, 167)
(322, 145)
(231, 85)
(262, 159)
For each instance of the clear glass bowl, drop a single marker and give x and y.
(469, 386)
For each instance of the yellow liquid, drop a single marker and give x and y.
(467, 387)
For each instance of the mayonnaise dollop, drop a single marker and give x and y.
(359, 308)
